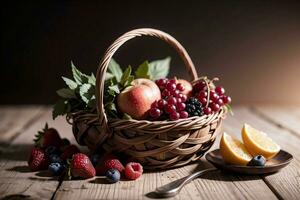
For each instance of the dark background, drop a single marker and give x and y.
(254, 47)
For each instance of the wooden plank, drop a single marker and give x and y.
(213, 186)
(16, 179)
(217, 185)
(284, 184)
(14, 119)
(287, 117)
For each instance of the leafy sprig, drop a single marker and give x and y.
(80, 92)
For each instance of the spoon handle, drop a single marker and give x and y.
(173, 188)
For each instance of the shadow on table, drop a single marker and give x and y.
(221, 175)
(21, 169)
(100, 180)
(17, 152)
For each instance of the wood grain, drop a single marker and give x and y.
(16, 178)
(284, 184)
(287, 118)
(15, 119)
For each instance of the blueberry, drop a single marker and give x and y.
(52, 150)
(56, 168)
(258, 160)
(94, 159)
(54, 158)
(65, 142)
(113, 175)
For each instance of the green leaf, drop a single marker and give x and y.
(115, 69)
(72, 85)
(143, 70)
(126, 116)
(114, 88)
(125, 76)
(111, 109)
(92, 102)
(129, 80)
(86, 92)
(92, 79)
(66, 93)
(60, 108)
(159, 68)
(108, 76)
(78, 76)
(229, 108)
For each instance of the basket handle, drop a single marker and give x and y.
(100, 78)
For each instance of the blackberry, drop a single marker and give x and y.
(194, 107)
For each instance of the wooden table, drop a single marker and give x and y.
(18, 124)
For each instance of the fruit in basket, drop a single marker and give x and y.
(215, 95)
(136, 100)
(37, 159)
(194, 107)
(172, 104)
(185, 87)
(81, 166)
(234, 151)
(258, 143)
(47, 137)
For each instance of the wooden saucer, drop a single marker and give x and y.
(281, 160)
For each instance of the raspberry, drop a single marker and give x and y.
(133, 170)
(113, 164)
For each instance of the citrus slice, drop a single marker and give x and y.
(258, 143)
(233, 151)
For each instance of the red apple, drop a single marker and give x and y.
(187, 87)
(136, 100)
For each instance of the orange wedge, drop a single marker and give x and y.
(258, 143)
(233, 151)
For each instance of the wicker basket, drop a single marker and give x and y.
(156, 144)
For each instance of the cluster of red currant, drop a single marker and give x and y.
(173, 101)
(217, 97)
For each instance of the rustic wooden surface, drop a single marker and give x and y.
(18, 124)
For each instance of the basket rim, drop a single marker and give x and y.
(157, 127)
(166, 122)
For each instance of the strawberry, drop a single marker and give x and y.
(37, 159)
(100, 170)
(108, 161)
(69, 151)
(113, 164)
(81, 166)
(47, 137)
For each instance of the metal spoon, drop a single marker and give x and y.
(173, 188)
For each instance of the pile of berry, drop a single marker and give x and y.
(216, 98)
(173, 100)
(59, 156)
(177, 105)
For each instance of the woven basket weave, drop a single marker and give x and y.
(156, 144)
